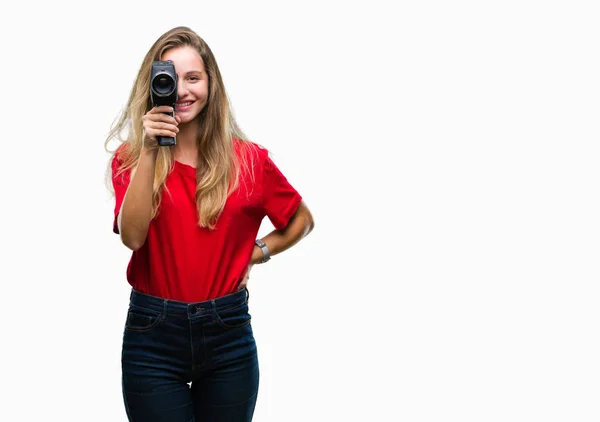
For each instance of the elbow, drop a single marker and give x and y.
(133, 246)
(131, 236)
(305, 218)
(132, 241)
(310, 223)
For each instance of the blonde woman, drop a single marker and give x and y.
(191, 213)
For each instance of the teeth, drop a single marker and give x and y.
(184, 104)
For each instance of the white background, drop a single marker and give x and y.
(448, 152)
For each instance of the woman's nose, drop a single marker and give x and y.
(181, 89)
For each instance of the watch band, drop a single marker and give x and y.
(265, 250)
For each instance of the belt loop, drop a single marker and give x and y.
(214, 308)
(165, 306)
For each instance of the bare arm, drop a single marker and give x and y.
(136, 211)
(300, 225)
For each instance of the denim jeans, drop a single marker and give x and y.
(189, 362)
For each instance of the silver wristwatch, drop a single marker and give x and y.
(265, 250)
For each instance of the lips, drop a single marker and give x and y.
(184, 105)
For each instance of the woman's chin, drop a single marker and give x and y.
(188, 116)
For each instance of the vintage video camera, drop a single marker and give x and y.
(163, 91)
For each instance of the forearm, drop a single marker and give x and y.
(136, 211)
(300, 225)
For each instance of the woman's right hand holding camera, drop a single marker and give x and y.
(157, 123)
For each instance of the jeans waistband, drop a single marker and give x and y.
(188, 309)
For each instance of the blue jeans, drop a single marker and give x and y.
(186, 362)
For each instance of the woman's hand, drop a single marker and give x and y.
(255, 258)
(156, 123)
(244, 281)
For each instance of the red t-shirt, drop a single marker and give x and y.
(182, 261)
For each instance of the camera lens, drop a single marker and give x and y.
(163, 84)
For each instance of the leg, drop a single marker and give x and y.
(227, 395)
(227, 391)
(155, 354)
(171, 402)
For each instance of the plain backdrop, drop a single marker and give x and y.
(449, 154)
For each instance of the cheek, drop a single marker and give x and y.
(201, 91)
(205, 92)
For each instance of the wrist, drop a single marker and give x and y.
(257, 255)
(149, 151)
(263, 253)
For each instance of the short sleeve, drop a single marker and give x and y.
(280, 199)
(120, 183)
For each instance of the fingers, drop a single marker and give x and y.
(161, 109)
(161, 127)
(157, 123)
(154, 129)
(159, 114)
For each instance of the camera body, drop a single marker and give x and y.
(163, 91)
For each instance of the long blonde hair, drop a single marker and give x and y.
(218, 168)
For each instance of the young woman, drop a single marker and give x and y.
(191, 213)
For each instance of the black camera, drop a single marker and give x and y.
(163, 91)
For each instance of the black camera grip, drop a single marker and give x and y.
(166, 141)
